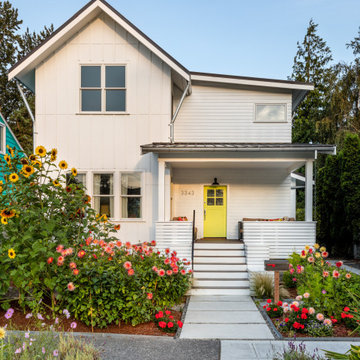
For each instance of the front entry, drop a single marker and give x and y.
(214, 211)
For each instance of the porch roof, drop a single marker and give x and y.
(181, 147)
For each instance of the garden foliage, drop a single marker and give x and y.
(57, 252)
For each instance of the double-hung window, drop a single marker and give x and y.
(2, 139)
(103, 88)
(103, 194)
(78, 179)
(131, 195)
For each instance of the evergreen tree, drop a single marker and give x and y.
(14, 47)
(312, 64)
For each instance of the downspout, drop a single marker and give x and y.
(177, 111)
(28, 109)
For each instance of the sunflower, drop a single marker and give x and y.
(6, 213)
(4, 221)
(41, 151)
(24, 161)
(13, 177)
(36, 163)
(63, 165)
(27, 170)
(53, 154)
(11, 151)
(1, 189)
(74, 172)
(56, 182)
(7, 158)
(11, 253)
(32, 157)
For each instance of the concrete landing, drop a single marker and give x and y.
(224, 317)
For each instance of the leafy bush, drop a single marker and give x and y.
(288, 280)
(352, 354)
(165, 321)
(264, 286)
(327, 285)
(316, 329)
(274, 310)
(38, 211)
(100, 282)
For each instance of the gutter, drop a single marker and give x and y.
(177, 111)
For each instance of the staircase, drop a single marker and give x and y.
(220, 268)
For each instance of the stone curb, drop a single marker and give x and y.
(183, 315)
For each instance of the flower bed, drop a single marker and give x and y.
(329, 302)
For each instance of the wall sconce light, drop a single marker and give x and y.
(215, 182)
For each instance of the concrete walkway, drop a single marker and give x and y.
(224, 317)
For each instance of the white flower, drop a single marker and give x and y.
(311, 311)
(306, 295)
(299, 297)
(320, 317)
(327, 322)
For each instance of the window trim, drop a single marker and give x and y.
(141, 196)
(3, 135)
(284, 105)
(103, 89)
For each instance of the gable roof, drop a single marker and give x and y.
(24, 70)
(3, 121)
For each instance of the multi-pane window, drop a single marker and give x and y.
(103, 88)
(2, 138)
(103, 194)
(270, 113)
(131, 195)
(78, 179)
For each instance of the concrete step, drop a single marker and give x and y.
(219, 291)
(219, 245)
(220, 267)
(219, 252)
(219, 260)
(221, 275)
(223, 283)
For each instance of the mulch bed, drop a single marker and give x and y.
(339, 330)
(19, 322)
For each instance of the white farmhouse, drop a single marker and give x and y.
(154, 142)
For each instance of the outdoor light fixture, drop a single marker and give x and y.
(215, 182)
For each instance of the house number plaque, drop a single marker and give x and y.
(187, 192)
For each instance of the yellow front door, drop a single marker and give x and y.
(215, 211)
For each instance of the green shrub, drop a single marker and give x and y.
(288, 280)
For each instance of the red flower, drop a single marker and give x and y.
(161, 314)
(279, 303)
(268, 309)
(59, 248)
(50, 260)
(264, 306)
(161, 272)
(304, 310)
(128, 245)
(346, 309)
(81, 254)
(275, 309)
(94, 255)
(286, 320)
(167, 251)
(149, 296)
(304, 316)
(310, 251)
(131, 272)
(180, 324)
(167, 261)
(162, 324)
(76, 272)
(294, 279)
(155, 268)
(183, 272)
(72, 265)
(171, 317)
(175, 269)
(170, 324)
(167, 312)
(190, 271)
(153, 243)
(71, 286)
(169, 272)
(339, 264)
(127, 265)
(268, 301)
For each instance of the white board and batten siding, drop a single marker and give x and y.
(216, 114)
(251, 193)
(266, 240)
(103, 142)
(175, 235)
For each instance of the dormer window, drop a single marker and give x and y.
(103, 88)
(270, 113)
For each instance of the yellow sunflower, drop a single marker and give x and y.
(74, 172)
(53, 154)
(32, 157)
(41, 151)
(27, 170)
(7, 158)
(24, 161)
(13, 177)
(36, 163)
(2, 333)
(63, 165)
(11, 151)
(7, 213)
(56, 182)
(11, 253)
(4, 221)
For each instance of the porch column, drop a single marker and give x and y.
(167, 193)
(309, 190)
(161, 191)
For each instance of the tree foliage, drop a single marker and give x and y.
(15, 46)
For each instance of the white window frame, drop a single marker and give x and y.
(284, 105)
(3, 135)
(93, 196)
(103, 89)
(141, 196)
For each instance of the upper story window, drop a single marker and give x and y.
(103, 88)
(2, 139)
(270, 113)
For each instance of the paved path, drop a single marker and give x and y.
(265, 350)
(224, 317)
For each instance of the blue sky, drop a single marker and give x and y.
(249, 38)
